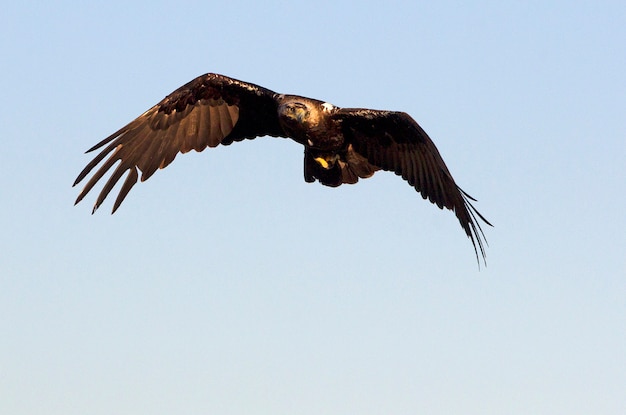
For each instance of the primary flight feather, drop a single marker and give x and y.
(341, 145)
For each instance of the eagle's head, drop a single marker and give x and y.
(294, 112)
(298, 117)
(307, 121)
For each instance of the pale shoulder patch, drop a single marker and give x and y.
(328, 107)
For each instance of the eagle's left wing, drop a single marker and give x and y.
(393, 141)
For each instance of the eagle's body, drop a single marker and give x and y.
(341, 145)
(328, 156)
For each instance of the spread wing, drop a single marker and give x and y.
(393, 141)
(210, 110)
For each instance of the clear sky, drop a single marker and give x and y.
(227, 285)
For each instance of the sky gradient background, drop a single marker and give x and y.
(227, 285)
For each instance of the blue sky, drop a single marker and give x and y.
(226, 284)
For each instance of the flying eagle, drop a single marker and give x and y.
(341, 145)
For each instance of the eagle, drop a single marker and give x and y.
(341, 145)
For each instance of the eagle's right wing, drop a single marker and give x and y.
(210, 110)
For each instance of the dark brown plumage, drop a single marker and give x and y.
(341, 145)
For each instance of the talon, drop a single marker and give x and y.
(322, 162)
